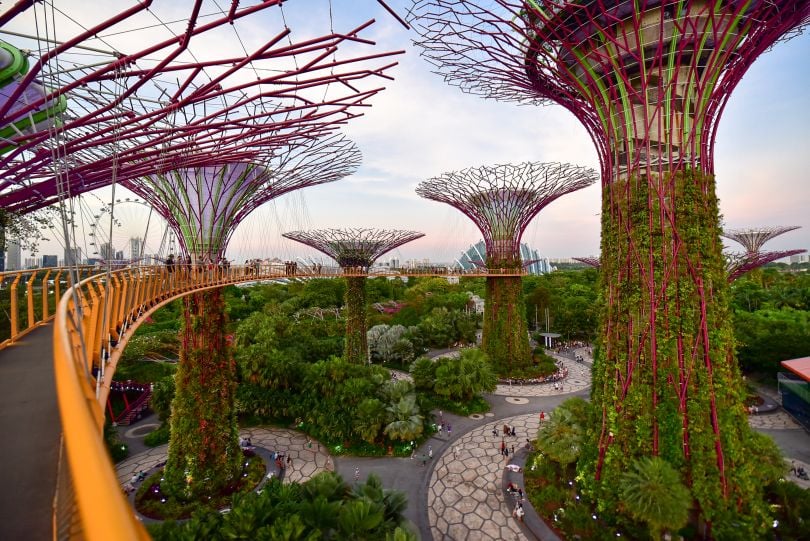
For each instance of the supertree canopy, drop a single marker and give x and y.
(649, 80)
(355, 250)
(501, 201)
(205, 204)
(149, 91)
(754, 238)
(739, 264)
(590, 261)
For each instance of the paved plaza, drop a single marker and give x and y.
(458, 494)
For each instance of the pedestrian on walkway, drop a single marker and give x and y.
(424, 459)
(542, 416)
(430, 451)
(513, 449)
(455, 452)
(449, 428)
(356, 474)
(503, 445)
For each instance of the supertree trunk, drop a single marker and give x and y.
(665, 380)
(204, 455)
(356, 350)
(505, 335)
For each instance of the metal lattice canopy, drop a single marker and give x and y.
(755, 237)
(739, 264)
(501, 200)
(590, 261)
(648, 79)
(354, 248)
(205, 204)
(144, 96)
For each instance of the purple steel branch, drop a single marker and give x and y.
(354, 248)
(739, 264)
(755, 237)
(205, 204)
(200, 118)
(502, 200)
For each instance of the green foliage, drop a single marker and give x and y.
(768, 336)
(162, 396)
(505, 335)
(465, 376)
(325, 507)
(204, 454)
(653, 493)
(158, 436)
(665, 377)
(792, 506)
(356, 345)
(118, 450)
(561, 437)
(423, 371)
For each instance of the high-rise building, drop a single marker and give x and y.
(73, 256)
(106, 251)
(135, 248)
(14, 260)
(119, 255)
(49, 261)
(31, 263)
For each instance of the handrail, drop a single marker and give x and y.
(41, 296)
(94, 321)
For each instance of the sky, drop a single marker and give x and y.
(420, 127)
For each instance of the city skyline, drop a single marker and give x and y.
(420, 127)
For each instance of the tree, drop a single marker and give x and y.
(369, 419)
(404, 419)
(562, 436)
(652, 492)
(464, 377)
(423, 371)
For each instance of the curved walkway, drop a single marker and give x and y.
(465, 497)
(307, 459)
(578, 379)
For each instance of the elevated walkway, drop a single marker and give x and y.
(30, 427)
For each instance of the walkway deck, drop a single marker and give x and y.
(29, 423)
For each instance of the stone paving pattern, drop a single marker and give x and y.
(578, 379)
(778, 420)
(306, 461)
(465, 499)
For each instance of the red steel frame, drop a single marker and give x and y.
(197, 120)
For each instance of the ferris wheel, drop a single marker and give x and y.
(130, 232)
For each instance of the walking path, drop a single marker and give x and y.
(308, 456)
(458, 493)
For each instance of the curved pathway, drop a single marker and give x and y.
(578, 379)
(465, 499)
(307, 459)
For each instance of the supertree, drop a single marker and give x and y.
(501, 201)
(355, 250)
(215, 148)
(204, 205)
(754, 238)
(649, 81)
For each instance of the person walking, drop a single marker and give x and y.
(356, 474)
(430, 451)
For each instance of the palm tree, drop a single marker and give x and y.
(562, 436)
(369, 419)
(652, 492)
(359, 518)
(404, 419)
(463, 378)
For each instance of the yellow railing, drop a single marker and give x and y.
(28, 299)
(94, 321)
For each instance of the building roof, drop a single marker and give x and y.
(800, 367)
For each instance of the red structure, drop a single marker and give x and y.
(501, 201)
(355, 250)
(739, 264)
(172, 103)
(649, 81)
(590, 261)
